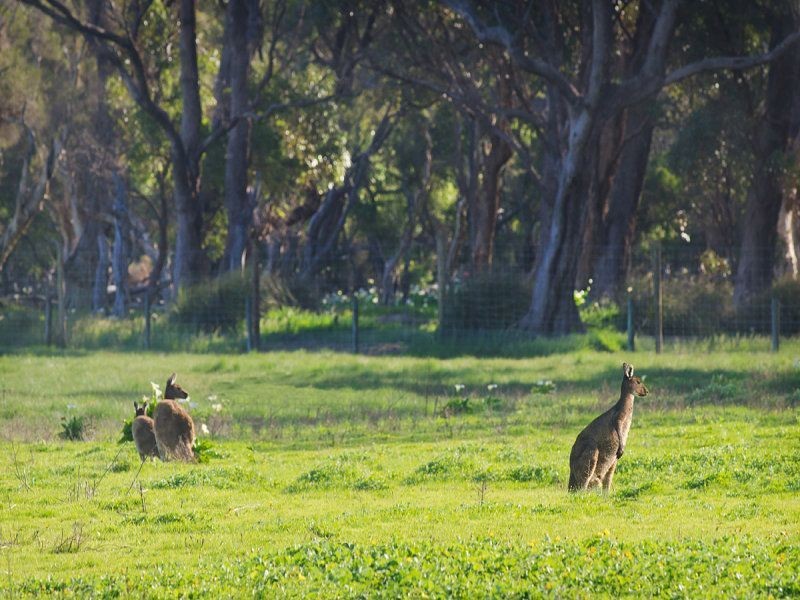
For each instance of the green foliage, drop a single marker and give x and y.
(364, 490)
(345, 471)
(718, 390)
(214, 306)
(533, 473)
(543, 386)
(205, 451)
(458, 406)
(20, 326)
(73, 428)
(127, 432)
(491, 301)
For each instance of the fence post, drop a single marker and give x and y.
(61, 296)
(255, 312)
(441, 279)
(659, 312)
(48, 317)
(776, 323)
(631, 332)
(355, 323)
(147, 319)
(248, 321)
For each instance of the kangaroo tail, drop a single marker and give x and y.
(573, 483)
(184, 450)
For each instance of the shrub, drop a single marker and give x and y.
(213, 306)
(787, 291)
(19, 325)
(485, 302)
(73, 428)
(204, 451)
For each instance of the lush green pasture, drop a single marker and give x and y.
(349, 475)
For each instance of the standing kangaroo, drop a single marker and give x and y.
(143, 433)
(173, 425)
(594, 454)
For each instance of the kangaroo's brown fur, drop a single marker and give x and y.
(599, 446)
(143, 432)
(174, 427)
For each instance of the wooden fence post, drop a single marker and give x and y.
(355, 323)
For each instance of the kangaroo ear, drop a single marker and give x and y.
(171, 380)
(144, 406)
(627, 370)
(135, 405)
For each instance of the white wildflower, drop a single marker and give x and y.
(216, 407)
(204, 429)
(491, 387)
(459, 387)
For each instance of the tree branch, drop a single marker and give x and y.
(135, 81)
(500, 36)
(717, 63)
(276, 107)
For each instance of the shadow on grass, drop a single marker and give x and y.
(669, 387)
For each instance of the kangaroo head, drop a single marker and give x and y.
(140, 410)
(631, 384)
(173, 391)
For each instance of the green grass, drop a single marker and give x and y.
(343, 475)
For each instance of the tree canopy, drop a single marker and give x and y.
(162, 144)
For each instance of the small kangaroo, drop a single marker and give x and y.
(173, 425)
(599, 446)
(143, 433)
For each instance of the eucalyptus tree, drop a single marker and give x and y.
(119, 37)
(571, 50)
(427, 50)
(776, 135)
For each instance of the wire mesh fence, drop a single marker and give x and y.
(675, 293)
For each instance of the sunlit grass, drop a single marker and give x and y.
(339, 474)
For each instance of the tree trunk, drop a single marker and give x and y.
(28, 203)
(618, 227)
(553, 309)
(787, 229)
(189, 264)
(774, 134)
(100, 288)
(483, 216)
(121, 252)
(327, 223)
(158, 272)
(607, 158)
(237, 203)
(413, 201)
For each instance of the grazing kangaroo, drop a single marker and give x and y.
(594, 454)
(173, 425)
(143, 432)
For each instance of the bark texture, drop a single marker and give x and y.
(773, 136)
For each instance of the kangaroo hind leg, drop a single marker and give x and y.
(582, 471)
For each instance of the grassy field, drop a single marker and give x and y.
(382, 476)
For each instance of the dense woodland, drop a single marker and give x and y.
(148, 146)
